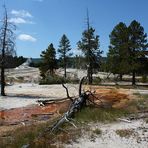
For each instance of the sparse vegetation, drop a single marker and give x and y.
(126, 133)
(21, 136)
(97, 80)
(103, 110)
(91, 114)
(55, 79)
(30, 134)
(139, 104)
(97, 131)
(144, 79)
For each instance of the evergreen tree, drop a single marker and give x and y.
(64, 48)
(137, 47)
(117, 57)
(128, 48)
(89, 45)
(49, 62)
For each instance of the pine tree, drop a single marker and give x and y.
(49, 63)
(128, 47)
(137, 47)
(64, 52)
(89, 45)
(117, 57)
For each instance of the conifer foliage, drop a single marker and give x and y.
(128, 47)
(49, 62)
(64, 52)
(89, 45)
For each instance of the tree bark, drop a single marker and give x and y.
(65, 72)
(133, 78)
(65, 66)
(89, 74)
(3, 58)
(120, 76)
(2, 81)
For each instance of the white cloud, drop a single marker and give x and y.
(26, 37)
(21, 13)
(19, 20)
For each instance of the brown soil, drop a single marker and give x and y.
(17, 115)
(115, 97)
(112, 97)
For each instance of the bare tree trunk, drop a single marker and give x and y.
(3, 58)
(133, 78)
(65, 66)
(65, 72)
(6, 43)
(89, 74)
(120, 77)
(2, 81)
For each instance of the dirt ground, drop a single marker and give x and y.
(20, 108)
(136, 136)
(21, 103)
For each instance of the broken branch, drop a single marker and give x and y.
(67, 92)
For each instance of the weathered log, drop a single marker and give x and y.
(76, 105)
(124, 120)
(44, 102)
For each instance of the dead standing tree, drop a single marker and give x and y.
(6, 46)
(89, 45)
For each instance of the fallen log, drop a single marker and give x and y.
(124, 120)
(44, 102)
(75, 106)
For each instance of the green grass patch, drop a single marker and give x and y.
(91, 114)
(21, 136)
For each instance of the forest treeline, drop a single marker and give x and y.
(127, 53)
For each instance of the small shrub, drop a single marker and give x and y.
(97, 80)
(97, 131)
(53, 80)
(144, 79)
(126, 133)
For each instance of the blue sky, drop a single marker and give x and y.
(41, 22)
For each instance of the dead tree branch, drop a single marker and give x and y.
(67, 92)
(76, 105)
